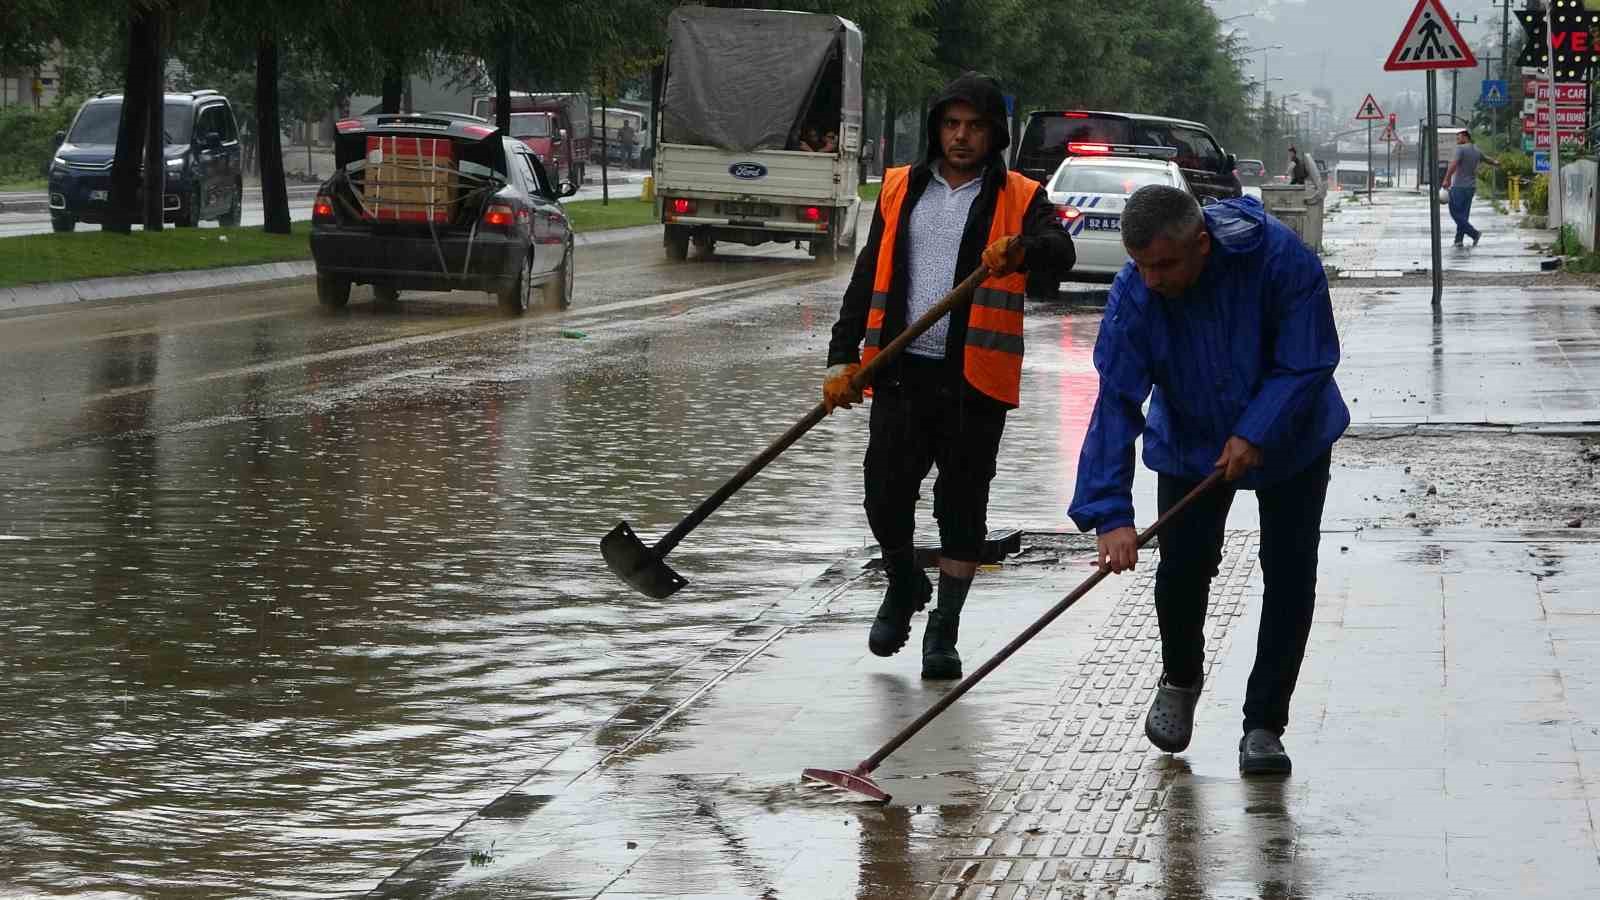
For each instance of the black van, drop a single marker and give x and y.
(1049, 136)
(204, 162)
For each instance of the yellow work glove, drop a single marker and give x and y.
(1004, 256)
(837, 391)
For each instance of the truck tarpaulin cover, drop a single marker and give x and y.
(740, 79)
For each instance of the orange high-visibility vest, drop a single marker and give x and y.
(993, 362)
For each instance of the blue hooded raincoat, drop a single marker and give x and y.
(1248, 350)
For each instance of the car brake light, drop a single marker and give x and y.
(1088, 148)
(348, 125)
(1076, 115)
(499, 216)
(476, 131)
(322, 209)
(683, 206)
(1068, 213)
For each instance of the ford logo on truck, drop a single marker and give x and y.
(747, 170)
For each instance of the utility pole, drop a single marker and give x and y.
(1455, 74)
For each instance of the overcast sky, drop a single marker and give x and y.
(1342, 45)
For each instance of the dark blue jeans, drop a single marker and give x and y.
(1460, 209)
(1191, 551)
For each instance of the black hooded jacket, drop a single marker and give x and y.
(1048, 247)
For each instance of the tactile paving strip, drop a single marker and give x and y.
(1079, 803)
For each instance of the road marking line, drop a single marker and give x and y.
(398, 343)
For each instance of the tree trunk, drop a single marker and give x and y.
(155, 144)
(657, 82)
(269, 137)
(605, 184)
(393, 88)
(123, 205)
(890, 113)
(502, 92)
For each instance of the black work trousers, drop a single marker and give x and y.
(921, 417)
(1191, 551)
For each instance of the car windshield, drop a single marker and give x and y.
(98, 123)
(530, 125)
(1093, 179)
(1044, 141)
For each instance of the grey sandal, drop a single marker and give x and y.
(1170, 722)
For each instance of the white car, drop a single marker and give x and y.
(1089, 192)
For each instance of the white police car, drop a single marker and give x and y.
(1091, 187)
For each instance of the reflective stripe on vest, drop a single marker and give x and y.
(993, 351)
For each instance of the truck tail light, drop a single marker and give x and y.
(682, 206)
(814, 214)
(322, 209)
(499, 215)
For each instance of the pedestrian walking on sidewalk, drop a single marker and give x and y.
(1462, 179)
(944, 401)
(1223, 321)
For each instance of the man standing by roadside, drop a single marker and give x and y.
(1298, 170)
(944, 401)
(1225, 316)
(625, 137)
(1462, 178)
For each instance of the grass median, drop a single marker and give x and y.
(92, 253)
(34, 258)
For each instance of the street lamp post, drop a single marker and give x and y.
(1266, 96)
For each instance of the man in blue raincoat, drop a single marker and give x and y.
(1223, 321)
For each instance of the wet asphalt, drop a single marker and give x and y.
(290, 593)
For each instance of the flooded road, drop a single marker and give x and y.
(290, 594)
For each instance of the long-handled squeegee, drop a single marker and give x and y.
(859, 779)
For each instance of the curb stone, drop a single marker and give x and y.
(120, 287)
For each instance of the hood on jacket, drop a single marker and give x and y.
(984, 94)
(1238, 225)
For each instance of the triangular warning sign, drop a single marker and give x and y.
(1388, 135)
(1369, 111)
(1430, 40)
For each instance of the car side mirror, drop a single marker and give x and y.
(1230, 162)
(213, 140)
(61, 138)
(568, 189)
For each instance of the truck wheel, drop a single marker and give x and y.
(677, 241)
(705, 246)
(558, 291)
(388, 297)
(62, 223)
(332, 291)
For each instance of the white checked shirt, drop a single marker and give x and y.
(937, 223)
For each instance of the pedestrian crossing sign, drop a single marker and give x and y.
(1369, 111)
(1430, 40)
(1495, 93)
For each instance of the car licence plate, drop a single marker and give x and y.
(749, 210)
(1102, 223)
(99, 195)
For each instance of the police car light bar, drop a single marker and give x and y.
(1137, 150)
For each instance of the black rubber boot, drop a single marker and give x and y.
(909, 592)
(939, 656)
